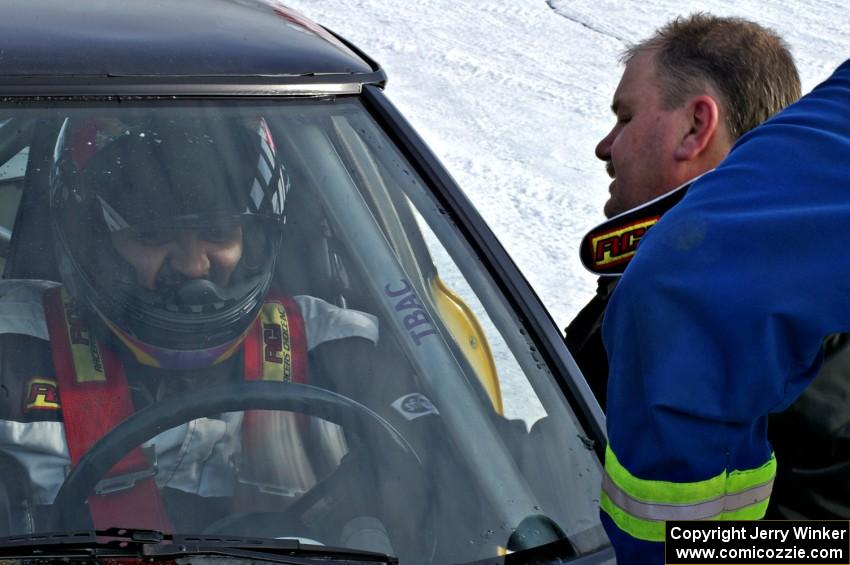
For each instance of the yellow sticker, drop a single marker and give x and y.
(84, 349)
(277, 344)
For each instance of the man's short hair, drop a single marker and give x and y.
(749, 66)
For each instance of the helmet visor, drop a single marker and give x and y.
(169, 226)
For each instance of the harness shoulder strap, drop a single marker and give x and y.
(275, 350)
(95, 398)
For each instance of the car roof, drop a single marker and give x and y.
(172, 47)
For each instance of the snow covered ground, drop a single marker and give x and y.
(513, 95)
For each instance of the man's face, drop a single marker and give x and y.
(164, 257)
(638, 151)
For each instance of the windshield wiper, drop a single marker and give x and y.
(151, 545)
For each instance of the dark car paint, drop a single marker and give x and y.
(172, 47)
(163, 38)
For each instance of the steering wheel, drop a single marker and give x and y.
(161, 416)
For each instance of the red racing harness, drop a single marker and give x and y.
(95, 397)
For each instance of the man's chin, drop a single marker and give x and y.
(611, 208)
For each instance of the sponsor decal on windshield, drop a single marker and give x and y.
(415, 319)
(414, 405)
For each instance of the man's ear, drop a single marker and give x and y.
(703, 114)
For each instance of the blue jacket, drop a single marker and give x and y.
(719, 320)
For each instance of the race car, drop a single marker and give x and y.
(246, 312)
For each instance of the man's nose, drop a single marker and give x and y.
(190, 256)
(603, 148)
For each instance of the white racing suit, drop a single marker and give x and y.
(196, 457)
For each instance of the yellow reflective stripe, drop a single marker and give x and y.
(698, 511)
(667, 492)
(742, 480)
(661, 491)
(640, 507)
(653, 530)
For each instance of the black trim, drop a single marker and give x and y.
(376, 67)
(232, 85)
(501, 267)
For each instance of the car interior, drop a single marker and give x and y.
(352, 232)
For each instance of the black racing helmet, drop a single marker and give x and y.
(152, 180)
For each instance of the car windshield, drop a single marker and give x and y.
(255, 319)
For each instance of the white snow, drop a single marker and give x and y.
(513, 95)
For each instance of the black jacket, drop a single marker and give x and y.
(584, 339)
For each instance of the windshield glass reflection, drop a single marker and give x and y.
(256, 321)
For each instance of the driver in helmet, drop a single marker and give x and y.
(167, 232)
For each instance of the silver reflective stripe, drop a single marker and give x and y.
(21, 310)
(699, 511)
(39, 447)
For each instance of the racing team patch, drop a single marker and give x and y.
(609, 247)
(619, 245)
(414, 405)
(42, 394)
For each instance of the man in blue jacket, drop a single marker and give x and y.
(719, 320)
(686, 94)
